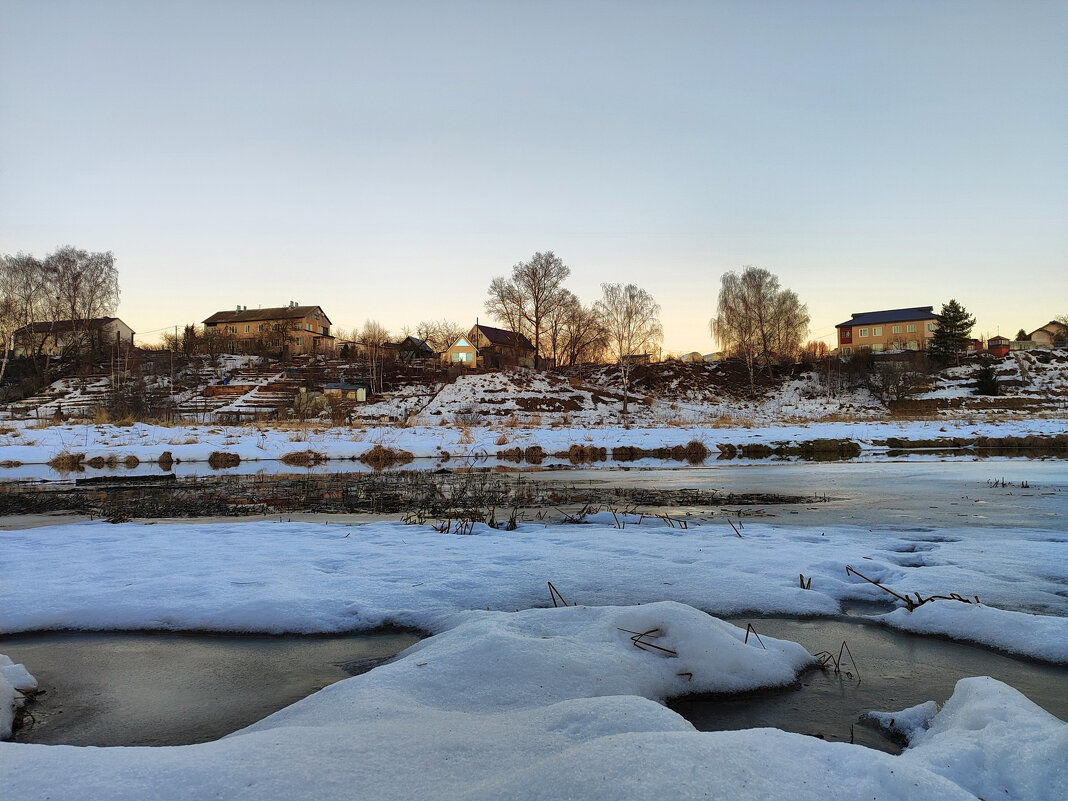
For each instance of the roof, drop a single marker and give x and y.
(1052, 327)
(65, 326)
(410, 343)
(891, 316)
(255, 315)
(499, 336)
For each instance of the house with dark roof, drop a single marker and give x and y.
(412, 350)
(486, 346)
(293, 329)
(890, 329)
(62, 337)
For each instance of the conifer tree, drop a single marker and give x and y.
(952, 335)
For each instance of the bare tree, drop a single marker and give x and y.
(372, 337)
(525, 301)
(632, 321)
(439, 334)
(584, 336)
(24, 299)
(86, 287)
(756, 319)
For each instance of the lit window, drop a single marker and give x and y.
(864, 332)
(896, 329)
(877, 331)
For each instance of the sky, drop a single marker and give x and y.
(387, 160)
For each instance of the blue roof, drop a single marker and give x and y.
(891, 316)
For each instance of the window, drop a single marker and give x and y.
(930, 326)
(248, 328)
(261, 327)
(896, 329)
(845, 351)
(231, 329)
(911, 328)
(912, 344)
(463, 356)
(876, 347)
(864, 332)
(299, 340)
(877, 331)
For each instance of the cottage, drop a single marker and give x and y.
(1053, 334)
(63, 337)
(485, 346)
(412, 350)
(891, 329)
(998, 346)
(293, 329)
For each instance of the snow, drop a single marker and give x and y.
(26, 450)
(511, 698)
(14, 681)
(559, 703)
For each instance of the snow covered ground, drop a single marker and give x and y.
(511, 699)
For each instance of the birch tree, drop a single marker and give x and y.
(631, 319)
(756, 319)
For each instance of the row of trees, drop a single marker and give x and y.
(70, 284)
(624, 323)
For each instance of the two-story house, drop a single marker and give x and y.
(891, 329)
(294, 328)
(485, 346)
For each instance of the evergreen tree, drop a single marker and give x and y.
(986, 380)
(953, 333)
(1021, 335)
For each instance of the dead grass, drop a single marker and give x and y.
(502, 440)
(380, 458)
(130, 461)
(534, 454)
(221, 459)
(584, 454)
(10, 463)
(307, 458)
(67, 462)
(165, 460)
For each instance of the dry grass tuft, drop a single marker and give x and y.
(130, 462)
(534, 454)
(502, 440)
(380, 458)
(165, 461)
(67, 462)
(306, 458)
(221, 459)
(696, 451)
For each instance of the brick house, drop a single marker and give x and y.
(891, 329)
(485, 346)
(294, 328)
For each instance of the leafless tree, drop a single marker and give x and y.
(372, 337)
(525, 301)
(24, 299)
(86, 287)
(632, 321)
(439, 334)
(583, 336)
(756, 319)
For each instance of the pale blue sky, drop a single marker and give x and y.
(386, 160)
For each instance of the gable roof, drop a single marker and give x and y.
(414, 344)
(1052, 327)
(891, 316)
(499, 336)
(66, 326)
(255, 315)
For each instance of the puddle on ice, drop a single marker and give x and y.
(152, 688)
(896, 670)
